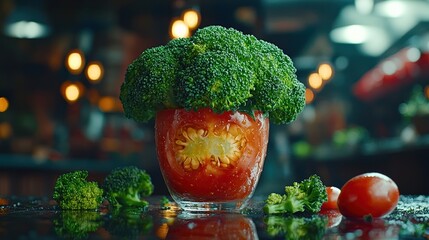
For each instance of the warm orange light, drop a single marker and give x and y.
(179, 29)
(75, 61)
(72, 91)
(325, 71)
(94, 72)
(191, 18)
(315, 81)
(107, 104)
(4, 104)
(309, 96)
(5, 131)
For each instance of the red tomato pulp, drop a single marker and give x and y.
(206, 156)
(369, 194)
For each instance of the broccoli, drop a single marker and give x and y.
(125, 187)
(149, 83)
(292, 227)
(73, 191)
(308, 195)
(218, 80)
(218, 68)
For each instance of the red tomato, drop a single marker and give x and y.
(206, 156)
(331, 203)
(369, 194)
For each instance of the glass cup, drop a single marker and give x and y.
(210, 161)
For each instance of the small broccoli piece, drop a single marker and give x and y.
(73, 191)
(292, 227)
(125, 187)
(77, 224)
(308, 195)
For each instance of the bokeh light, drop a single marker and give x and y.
(179, 29)
(309, 96)
(5, 130)
(107, 104)
(94, 72)
(191, 18)
(72, 91)
(75, 61)
(315, 81)
(325, 71)
(4, 104)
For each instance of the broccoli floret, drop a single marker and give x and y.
(292, 227)
(277, 89)
(218, 68)
(217, 80)
(221, 39)
(126, 186)
(308, 195)
(73, 191)
(148, 84)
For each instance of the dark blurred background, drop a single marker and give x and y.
(365, 64)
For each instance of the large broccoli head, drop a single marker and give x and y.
(126, 187)
(218, 68)
(73, 191)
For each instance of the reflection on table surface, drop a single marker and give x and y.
(40, 218)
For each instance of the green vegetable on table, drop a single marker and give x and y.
(73, 191)
(218, 68)
(126, 187)
(307, 195)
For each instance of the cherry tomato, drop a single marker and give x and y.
(331, 203)
(206, 156)
(368, 194)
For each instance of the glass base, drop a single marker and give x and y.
(230, 206)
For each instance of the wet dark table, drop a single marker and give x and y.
(40, 218)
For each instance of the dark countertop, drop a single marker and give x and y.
(40, 218)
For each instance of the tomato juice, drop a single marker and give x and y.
(210, 157)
